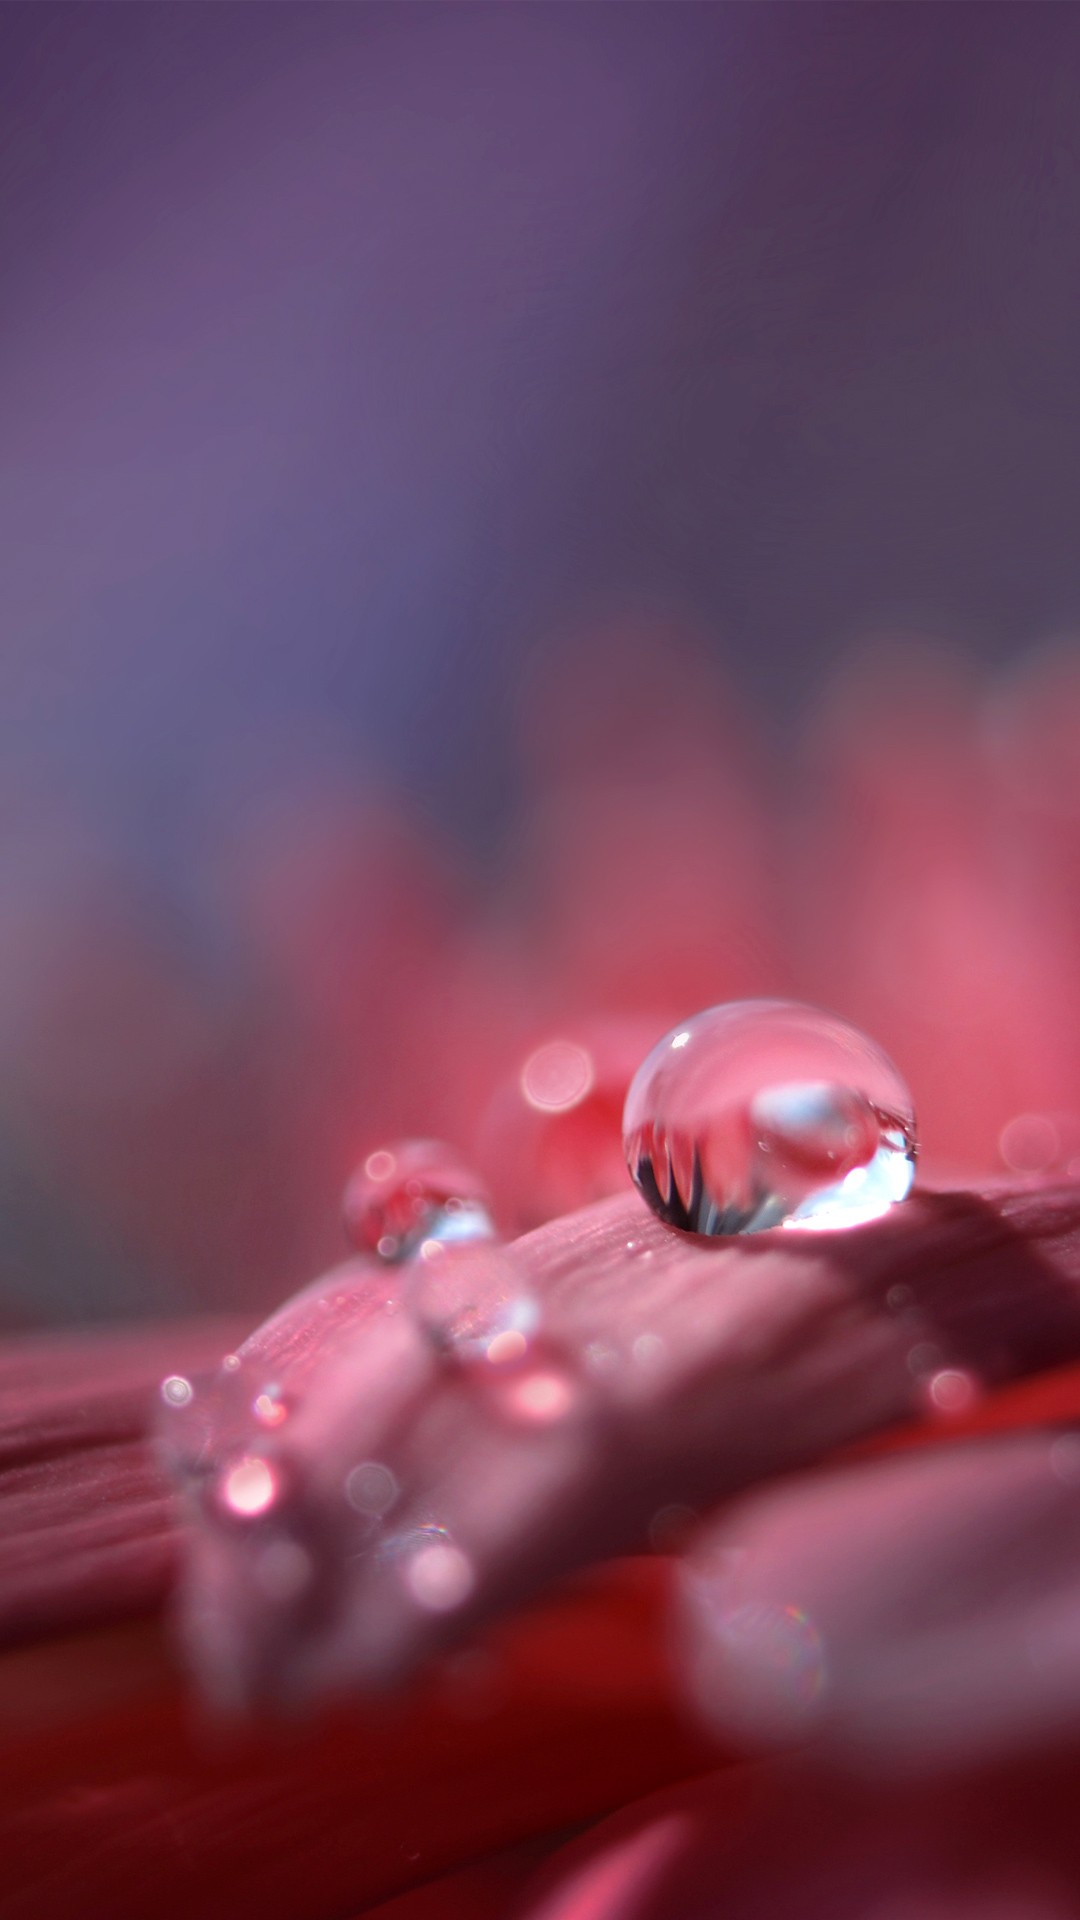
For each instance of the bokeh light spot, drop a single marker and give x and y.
(371, 1488)
(952, 1391)
(250, 1487)
(557, 1076)
(269, 1410)
(1029, 1143)
(440, 1577)
(503, 1349)
(541, 1396)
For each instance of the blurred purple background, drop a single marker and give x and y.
(351, 357)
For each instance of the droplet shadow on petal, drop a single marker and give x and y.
(992, 1279)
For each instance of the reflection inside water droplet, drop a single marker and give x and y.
(764, 1113)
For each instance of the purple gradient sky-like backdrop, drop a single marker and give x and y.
(350, 355)
(343, 350)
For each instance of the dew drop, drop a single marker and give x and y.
(176, 1391)
(412, 1191)
(472, 1299)
(766, 1113)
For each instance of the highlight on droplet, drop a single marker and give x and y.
(249, 1488)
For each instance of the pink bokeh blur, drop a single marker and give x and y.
(914, 866)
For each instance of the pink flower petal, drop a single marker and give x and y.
(685, 1372)
(921, 1612)
(87, 1516)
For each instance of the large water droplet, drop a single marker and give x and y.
(414, 1190)
(766, 1113)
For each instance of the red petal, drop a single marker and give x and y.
(125, 1808)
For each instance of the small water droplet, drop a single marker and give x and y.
(177, 1391)
(472, 1299)
(415, 1190)
(765, 1113)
